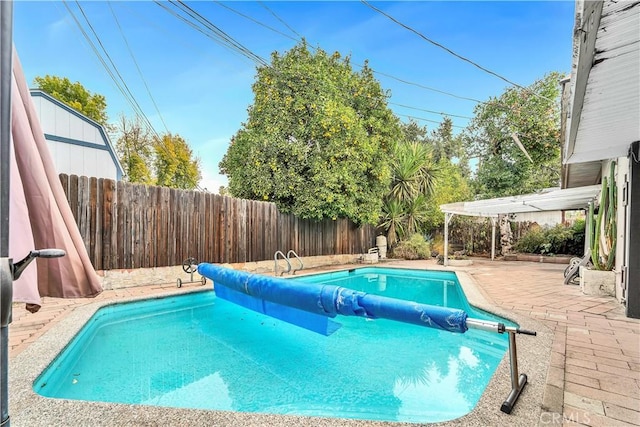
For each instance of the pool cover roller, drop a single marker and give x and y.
(310, 305)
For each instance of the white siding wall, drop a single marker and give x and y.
(69, 157)
(78, 160)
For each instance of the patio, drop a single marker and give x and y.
(593, 374)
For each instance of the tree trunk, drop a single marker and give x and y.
(506, 236)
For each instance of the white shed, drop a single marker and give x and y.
(79, 145)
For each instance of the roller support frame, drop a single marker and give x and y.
(518, 381)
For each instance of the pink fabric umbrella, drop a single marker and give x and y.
(40, 215)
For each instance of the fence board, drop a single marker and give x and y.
(109, 241)
(83, 210)
(127, 225)
(93, 219)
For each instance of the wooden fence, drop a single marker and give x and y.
(136, 226)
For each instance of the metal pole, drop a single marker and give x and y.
(493, 238)
(447, 218)
(513, 358)
(517, 381)
(6, 277)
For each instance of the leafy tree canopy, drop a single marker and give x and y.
(134, 145)
(451, 186)
(175, 165)
(533, 114)
(75, 95)
(318, 139)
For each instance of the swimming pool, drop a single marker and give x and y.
(198, 351)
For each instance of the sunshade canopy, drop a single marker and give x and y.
(546, 200)
(552, 199)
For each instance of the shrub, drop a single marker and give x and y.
(531, 242)
(415, 247)
(560, 239)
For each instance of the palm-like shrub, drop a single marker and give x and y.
(413, 176)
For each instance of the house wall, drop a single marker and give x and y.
(78, 146)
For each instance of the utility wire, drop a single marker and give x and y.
(192, 24)
(426, 87)
(430, 111)
(419, 34)
(475, 64)
(427, 120)
(137, 67)
(115, 68)
(204, 20)
(355, 64)
(226, 38)
(255, 21)
(120, 84)
(280, 19)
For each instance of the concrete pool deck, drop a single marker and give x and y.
(583, 367)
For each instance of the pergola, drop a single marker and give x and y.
(552, 199)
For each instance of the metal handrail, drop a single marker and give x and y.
(275, 260)
(292, 252)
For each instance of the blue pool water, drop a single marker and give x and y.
(198, 351)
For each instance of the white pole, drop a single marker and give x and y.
(493, 238)
(447, 218)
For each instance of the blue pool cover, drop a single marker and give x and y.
(310, 305)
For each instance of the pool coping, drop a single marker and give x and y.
(533, 359)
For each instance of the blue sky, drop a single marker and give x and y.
(203, 89)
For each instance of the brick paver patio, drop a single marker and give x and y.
(594, 377)
(595, 361)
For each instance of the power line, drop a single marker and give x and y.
(214, 32)
(441, 46)
(115, 68)
(257, 22)
(425, 87)
(137, 67)
(280, 19)
(121, 85)
(426, 120)
(355, 64)
(430, 111)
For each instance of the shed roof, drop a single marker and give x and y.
(551, 199)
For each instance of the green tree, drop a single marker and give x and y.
(318, 139)
(75, 95)
(175, 165)
(531, 114)
(134, 145)
(451, 186)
